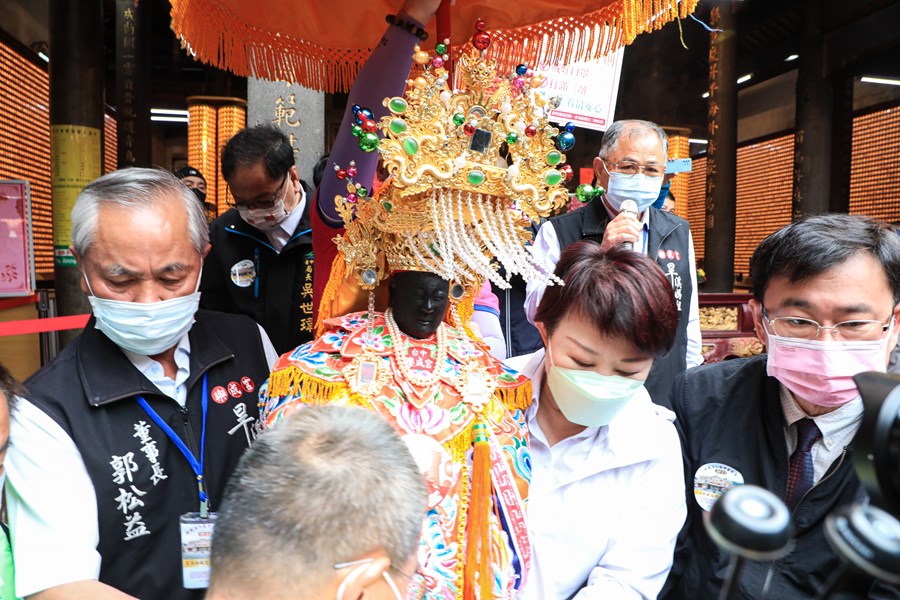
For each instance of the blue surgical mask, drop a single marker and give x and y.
(640, 188)
(588, 398)
(149, 328)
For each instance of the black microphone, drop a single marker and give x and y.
(630, 207)
(752, 524)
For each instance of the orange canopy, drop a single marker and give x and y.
(321, 44)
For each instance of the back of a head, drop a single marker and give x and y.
(327, 486)
(812, 245)
(189, 171)
(10, 389)
(249, 146)
(319, 169)
(624, 293)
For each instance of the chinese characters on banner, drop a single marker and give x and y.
(74, 163)
(587, 91)
(127, 68)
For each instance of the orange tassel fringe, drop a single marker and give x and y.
(220, 38)
(478, 570)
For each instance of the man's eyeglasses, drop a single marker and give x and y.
(630, 169)
(848, 331)
(239, 204)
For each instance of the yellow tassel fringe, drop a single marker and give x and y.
(291, 381)
(335, 279)
(519, 397)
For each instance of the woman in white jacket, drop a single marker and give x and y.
(607, 493)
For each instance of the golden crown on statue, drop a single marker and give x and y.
(468, 169)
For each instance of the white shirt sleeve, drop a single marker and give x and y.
(639, 556)
(268, 348)
(488, 324)
(693, 353)
(546, 251)
(51, 503)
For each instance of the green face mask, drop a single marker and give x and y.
(588, 398)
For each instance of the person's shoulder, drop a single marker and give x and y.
(230, 320)
(576, 215)
(720, 371)
(62, 364)
(665, 215)
(645, 428)
(708, 387)
(526, 363)
(230, 219)
(233, 326)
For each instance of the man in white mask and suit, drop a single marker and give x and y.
(123, 443)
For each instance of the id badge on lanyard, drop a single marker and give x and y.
(196, 527)
(196, 547)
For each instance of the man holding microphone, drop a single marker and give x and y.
(630, 168)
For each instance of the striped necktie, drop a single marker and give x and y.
(800, 472)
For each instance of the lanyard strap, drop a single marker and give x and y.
(196, 465)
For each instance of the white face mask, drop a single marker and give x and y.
(640, 188)
(588, 398)
(351, 577)
(264, 219)
(149, 328)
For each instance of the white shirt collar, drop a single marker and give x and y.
(154, 371)
(281, 235)
(837, 427)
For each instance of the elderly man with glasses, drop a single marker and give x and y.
(631, 166)
(261, 259)
(826, 292)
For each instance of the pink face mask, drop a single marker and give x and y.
(822, 372)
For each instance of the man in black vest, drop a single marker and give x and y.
(142, 418)
(261, 259)
(631, 166)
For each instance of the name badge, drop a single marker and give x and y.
(196, 546)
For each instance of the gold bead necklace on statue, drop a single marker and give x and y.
(402, 357)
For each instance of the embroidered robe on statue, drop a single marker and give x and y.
(439, 422)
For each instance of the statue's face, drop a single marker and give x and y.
(419, 301)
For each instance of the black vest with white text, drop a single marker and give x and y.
(142, 482)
